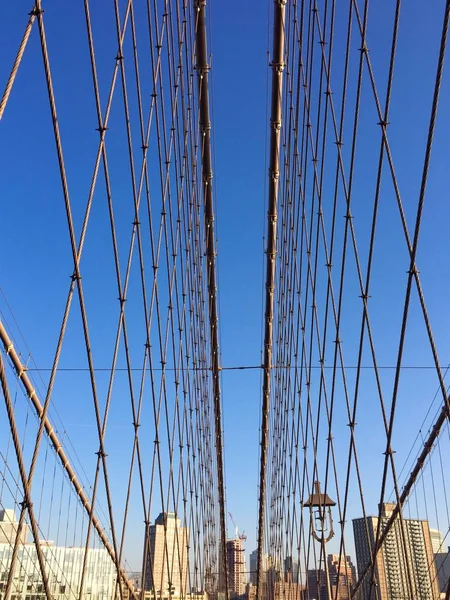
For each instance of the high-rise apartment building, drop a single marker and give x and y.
(236, 568)
(342, 573)
(166, 571)
(404, 565)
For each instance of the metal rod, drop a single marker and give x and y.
(20, 369)
(202, 68)
(271, 252)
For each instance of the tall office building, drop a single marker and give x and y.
(437, 543)
(236, 568)
(342, 575)
(400, 565)
(166, 571)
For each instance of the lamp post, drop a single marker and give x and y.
(321, 524)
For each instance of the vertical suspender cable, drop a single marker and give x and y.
(271, 252)
(202, 68)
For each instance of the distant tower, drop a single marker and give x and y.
(291, 570)
(437, 543)
(394, 561)
(9, 526)
(253, 566)
(166, 570)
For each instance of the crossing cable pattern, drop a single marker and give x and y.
(162, 269)
(334, 293)
(324, 263)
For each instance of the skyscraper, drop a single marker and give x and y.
(236, 567)
(253, 559)
(254, 567)
(166, 571)
(400, 565)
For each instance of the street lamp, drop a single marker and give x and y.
(321, 525)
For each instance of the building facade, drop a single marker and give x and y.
(9, 526)
(64, 566)
(404, 566)
(317, 585)
(166, 557)
(442, 562)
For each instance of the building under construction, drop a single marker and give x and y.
(236, 567)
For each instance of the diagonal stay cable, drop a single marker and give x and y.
(17, 61)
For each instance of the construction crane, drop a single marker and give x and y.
(240, 536)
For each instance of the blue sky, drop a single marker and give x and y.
(35, 263)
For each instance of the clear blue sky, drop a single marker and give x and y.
(35, 261)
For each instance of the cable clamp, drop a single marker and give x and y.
(276, 125)
(278, 66)
(202, 70)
